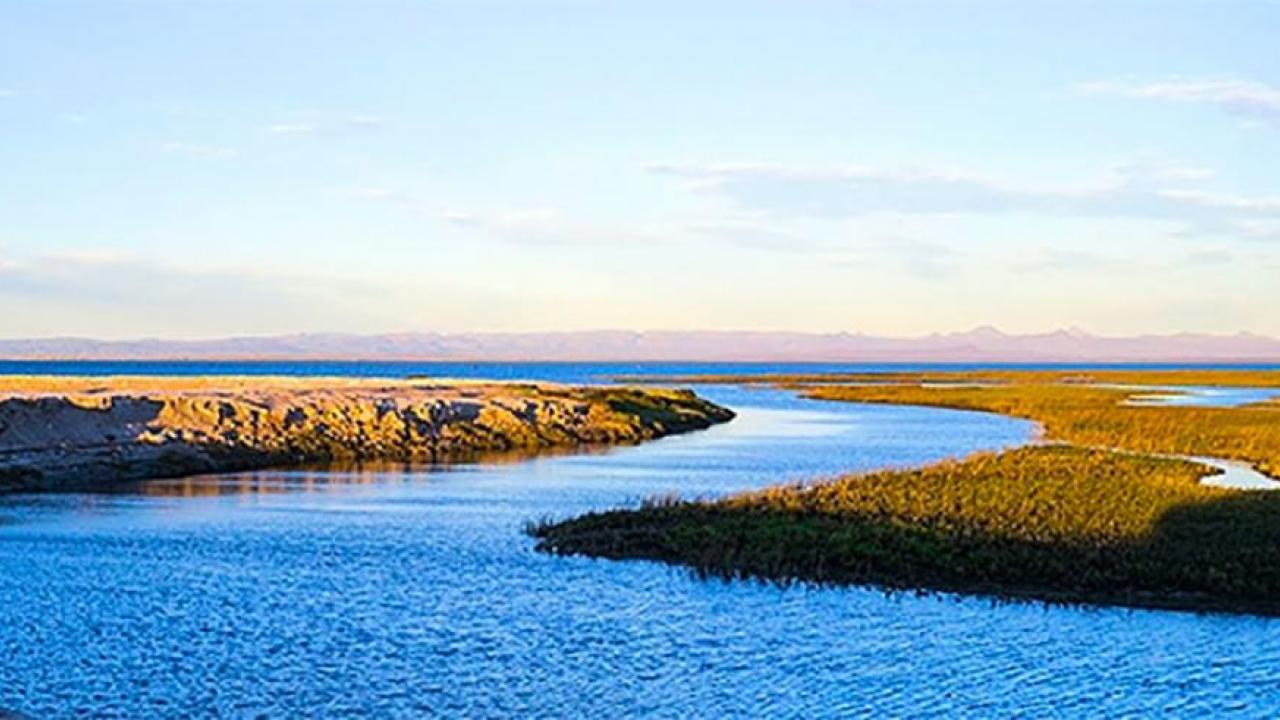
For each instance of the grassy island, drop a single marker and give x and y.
(1101, 515)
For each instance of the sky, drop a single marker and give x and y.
(201, 169)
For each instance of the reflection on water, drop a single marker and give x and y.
(393, 591)
(320, 477)
(264, 482)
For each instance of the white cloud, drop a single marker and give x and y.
(1262, 229)
(363, 121)
(1252, 99)
(917, 257)
(1204, 258)
(1066, 260)
(1135, 191)
(535, 225)
(373, 193)
(751, 234)
(547, 226)
(6, 93)
(88, 256)
(1225, 202)
(291, 129)
(196, 150)
(328, 125)
(94, 290)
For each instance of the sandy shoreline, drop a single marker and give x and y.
(72, 433)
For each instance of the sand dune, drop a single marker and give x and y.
(77, 433)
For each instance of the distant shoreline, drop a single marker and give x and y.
(982, 345)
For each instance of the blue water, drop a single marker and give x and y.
(401, 592)
(1201, 396)
(553, 371)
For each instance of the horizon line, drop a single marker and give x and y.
(991, 329)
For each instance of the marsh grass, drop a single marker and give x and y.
(1102, 376)
(1098, 417)
(1071, 521)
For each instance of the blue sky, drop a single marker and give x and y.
(194, 169)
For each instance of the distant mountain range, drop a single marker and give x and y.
(985, 344)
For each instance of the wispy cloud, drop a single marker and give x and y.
(547, 226)
(1262, 229)
(7, 93)
(291, 129)
(1140, 191)
(1205, 258)
(747, 233)
(1066, 260)
(554, 226)
(379, 194)
(328, 124)
(197, 150)
(362, 121)
(914, 256)
(64, 283)
(1051, 260)
(1248, 98)
(88, 257)
(542, 225)
(107, 273)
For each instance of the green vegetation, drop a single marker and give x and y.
(1062, 522)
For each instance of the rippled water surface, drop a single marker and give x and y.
(402, 592)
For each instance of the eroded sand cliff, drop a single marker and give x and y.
(79, 433)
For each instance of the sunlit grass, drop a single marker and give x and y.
(1071, 521)
(1222, 378)
(1098, 417)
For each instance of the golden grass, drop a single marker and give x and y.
(1048, 522)
(1098, 417)
(1103, 376)
(1072, 522)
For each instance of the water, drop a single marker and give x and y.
(1235, 474)
(395, 592)
(1199, 396)
(553, 371)
(1232, 474)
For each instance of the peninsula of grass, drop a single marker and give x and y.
(1101, 515)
